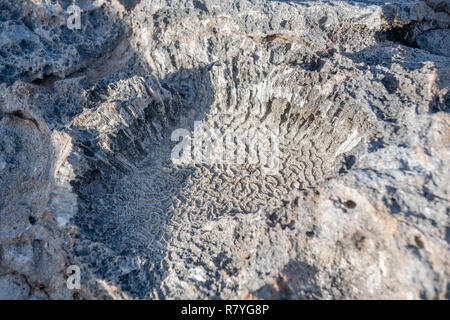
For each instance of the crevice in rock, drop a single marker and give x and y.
(405, 34)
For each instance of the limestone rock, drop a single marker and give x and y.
(350, 202)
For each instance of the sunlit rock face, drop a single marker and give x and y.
(224, 149)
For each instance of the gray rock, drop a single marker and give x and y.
(435, 41)
(355, 94)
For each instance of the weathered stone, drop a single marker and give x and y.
(355, 92)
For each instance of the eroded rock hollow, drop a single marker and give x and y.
(352, 94)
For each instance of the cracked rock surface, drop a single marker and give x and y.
(356, 94)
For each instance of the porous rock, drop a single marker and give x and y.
(357, 92)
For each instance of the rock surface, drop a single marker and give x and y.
(356, 93)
